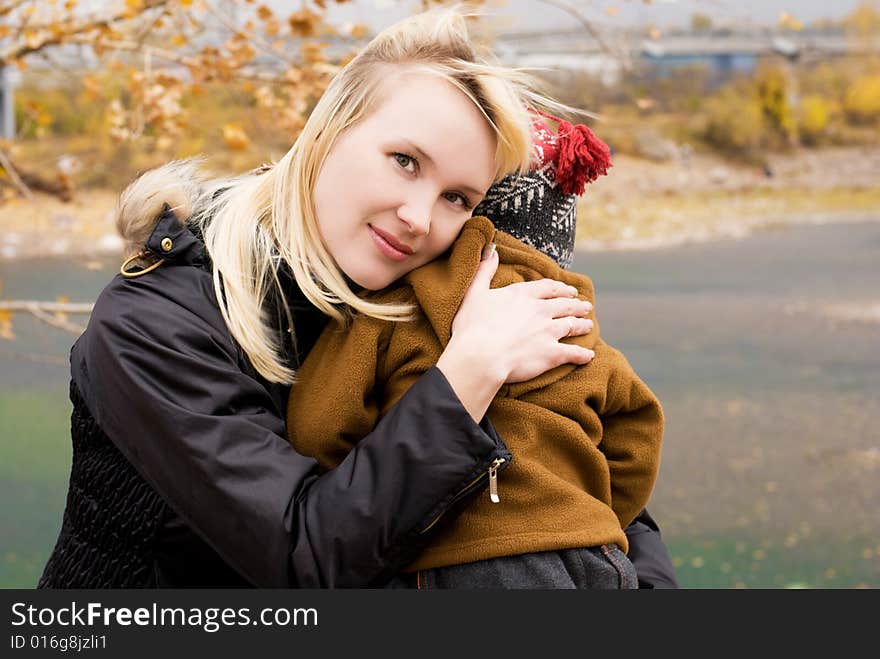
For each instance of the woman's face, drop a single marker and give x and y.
(397, 187)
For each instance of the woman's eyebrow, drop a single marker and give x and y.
(422, 154)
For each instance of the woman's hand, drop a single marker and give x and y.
(511, 334)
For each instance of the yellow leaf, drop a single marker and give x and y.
(313, 51)
(359, 31)
(92, 85)
(6, 325)
(33, 39)
(61, 315)
(304, 23)
(235, 137)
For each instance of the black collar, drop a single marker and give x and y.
(174, 241)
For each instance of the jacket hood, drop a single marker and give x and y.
(175, 187)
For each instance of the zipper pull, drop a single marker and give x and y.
(493, 480)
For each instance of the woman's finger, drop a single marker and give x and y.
(572, 326)
(572, 354)
(546, 289)
(566, 306)
(486, 270)
(564, 327)
(581, 326)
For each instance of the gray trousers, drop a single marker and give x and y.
(604, 567)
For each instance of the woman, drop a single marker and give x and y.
(182, 475)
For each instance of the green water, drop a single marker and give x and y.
(770, 474)
(35, 415)
(33, 478)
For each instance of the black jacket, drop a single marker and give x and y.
(216, 495)
(182, 475)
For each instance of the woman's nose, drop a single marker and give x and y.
(417, 216)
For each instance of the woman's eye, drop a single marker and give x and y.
(460, 199)
(405, 161)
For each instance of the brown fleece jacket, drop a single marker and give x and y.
(585, 440)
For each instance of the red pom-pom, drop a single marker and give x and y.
(582, 158)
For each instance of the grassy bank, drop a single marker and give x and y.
(655, 219)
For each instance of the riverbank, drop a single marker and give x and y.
(44, 226)
(641, 204)
(653, 221)
(648, 204)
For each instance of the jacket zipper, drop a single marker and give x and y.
(492, 474)
(493, 480)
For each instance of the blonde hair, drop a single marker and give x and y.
(253, 223)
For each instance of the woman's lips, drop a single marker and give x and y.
(383, 241)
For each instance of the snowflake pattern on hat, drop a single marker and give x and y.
(532, 208)
(540, 206)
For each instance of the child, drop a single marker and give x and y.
(585, 440)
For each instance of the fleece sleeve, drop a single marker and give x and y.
(632, 432)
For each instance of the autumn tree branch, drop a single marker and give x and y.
(61, 35)
(51, 313)
(10, 169)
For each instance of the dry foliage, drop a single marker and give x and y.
(161, 51)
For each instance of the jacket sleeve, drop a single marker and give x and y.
(166, 383)
(632, 431)
(649, 554)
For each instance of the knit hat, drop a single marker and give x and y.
(540, 206)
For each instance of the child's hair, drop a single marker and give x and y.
(253, 222)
